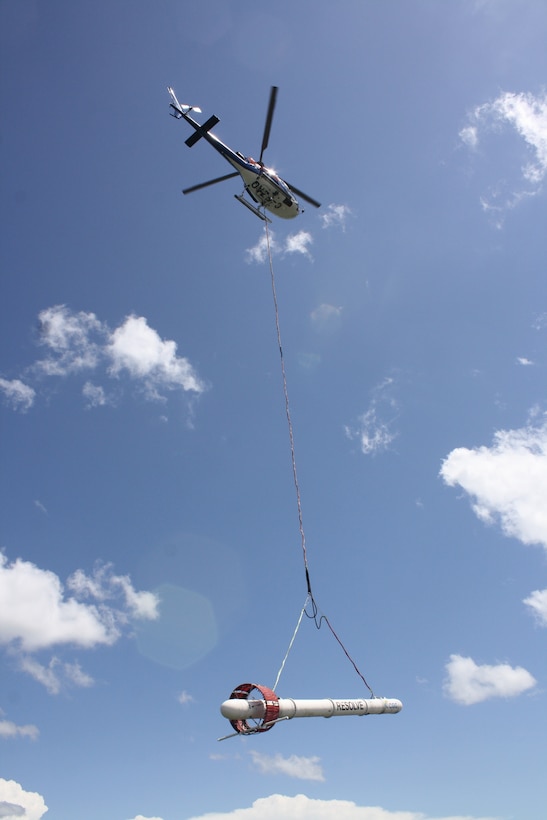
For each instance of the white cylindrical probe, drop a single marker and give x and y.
(243, 709)
(253, 708)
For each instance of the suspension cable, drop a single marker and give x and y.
(315, 613)
(281, 668)
(288, 414)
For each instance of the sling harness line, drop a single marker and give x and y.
(314, 614)
(253, 708)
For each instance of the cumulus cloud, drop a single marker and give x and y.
(19, 395)
(468, 683)
(16, 802)
(374, 428)
(299, 243)
(63, 330)
(104, 585)
(11, 810)
(142, 817)
(8, 729)
(303, 768)
(302, 807)
(70, 337)
(526, 114)
(184, 698)
(294, 243)
(259, 252)
(137, 348)
(77, 343)
(537, 601)
(469, 136)
(36, 614)
(507, 482)
(335, 216)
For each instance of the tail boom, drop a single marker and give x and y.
(201, 130)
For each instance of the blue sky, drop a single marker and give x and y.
(151, 554)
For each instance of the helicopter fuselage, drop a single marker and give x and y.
(266, 188)
(262, 184)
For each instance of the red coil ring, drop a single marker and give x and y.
(272, 708)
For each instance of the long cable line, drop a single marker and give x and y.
(315, 614)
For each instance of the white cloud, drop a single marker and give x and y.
(325, 314)
(524, 361)
(303, 768)
(11, 810)
(335, 216)
(142, 817)
(184, 698)
(302, 807)
(138, 349)
(95, 395)
(259, 252)
(374, 435)
(76, 675)
(8, 729)
(469, 136)
(537, 601)
(55, 675)
(526, 114)
(18, 394)
(36, 614)
(294, 243)
(141, 605)
(374, 428)
(16, 802)
(63, 330)
(104, 585)
(79, 342)
(468, 683)
(507, 202)
(69, 336)
(298, 243)
(507, 482)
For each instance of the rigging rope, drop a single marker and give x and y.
(315, 614)
(281, 668)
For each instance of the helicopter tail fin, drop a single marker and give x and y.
(183, 111)
(179, 108)
(201, 130)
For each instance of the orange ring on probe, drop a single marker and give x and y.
(270, 715)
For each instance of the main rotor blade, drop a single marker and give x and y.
(301, 194)
(211, 182)
(269, 117)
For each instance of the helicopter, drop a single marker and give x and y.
(263, 185)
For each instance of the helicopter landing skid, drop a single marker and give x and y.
(252, 208)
